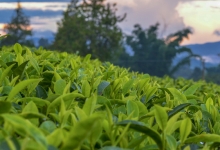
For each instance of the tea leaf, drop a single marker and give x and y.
(35, 64)
(59, 86)
(177, 109)
(132, 107)
(161, 116)
(56, 137)
(75, 138)
(177, 95)
(80, 113)
(185, 129)
(5, 73)
(31, 107)
(24, 128)
(203, 138)
(41, 92)
(17, 48)
(171, 123)
(5, 107)
(20, 86)
(192, 89)
(171, 141)
(140, 127)
(89, 105)
(137, 141)
(19, 71)
(102, 87)
(68, 98)
(208, 104)
(127, 86)
(86, 88)
(48, 126)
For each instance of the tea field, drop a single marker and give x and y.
(60, 101)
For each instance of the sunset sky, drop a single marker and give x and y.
(173, 15)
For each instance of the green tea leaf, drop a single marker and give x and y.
(203, 138)
(142, 108)
(209, 103)
(31, 107)
(127, 86)
(171, 123)
(17, 48)
(41, 92)
(192, 89)
(132, 107)
(5, 73)
(102, 87)
(19, 71)
(171, 141)
(136, 141)
(86, 88)
(87, 58)
(177, 95)
(68, 99)
(81, 115)
(35, 64)
(5, 107)
(161, 116)
(140, 127)
(25, 128)
(86, 127)
(48, 126)
(56, 137)
(177, 109)
(185, 129)
(89, 105)
(59, 86)
(20, 86)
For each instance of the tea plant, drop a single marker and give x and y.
(51, 100)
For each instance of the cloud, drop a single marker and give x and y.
(214, 59)
(35, 0)
(204, 19)
(45, 23)
(149, 12)
(55, 6)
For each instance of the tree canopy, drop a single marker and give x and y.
(154, 55)
(18, 29)
(90, 26)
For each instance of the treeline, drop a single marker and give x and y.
(91, 27)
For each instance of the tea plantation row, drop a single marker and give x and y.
(51, 100)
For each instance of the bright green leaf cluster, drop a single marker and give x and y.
(51, 100)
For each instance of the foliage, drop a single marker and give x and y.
(88, 27)
(18, 29)
(44, 42)
(212, 74)
(153, 55)
(52, 100)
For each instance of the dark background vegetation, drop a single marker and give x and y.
(91, 27)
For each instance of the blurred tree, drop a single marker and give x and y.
(153, 55)
(43, 42)
(196, 74)
(212, 74)
(90, 26)
(18, 29)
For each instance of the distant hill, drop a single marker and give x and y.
(209, 51)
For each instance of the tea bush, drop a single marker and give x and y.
(51, 100)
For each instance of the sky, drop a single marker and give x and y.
(202, 17)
